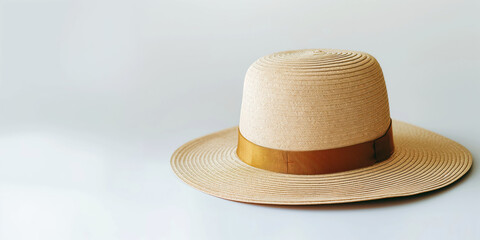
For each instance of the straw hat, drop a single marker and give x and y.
(315, 128)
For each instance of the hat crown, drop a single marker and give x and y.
(314, 99)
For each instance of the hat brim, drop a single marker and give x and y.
(423, 161)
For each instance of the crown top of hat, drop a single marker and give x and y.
(314, 99)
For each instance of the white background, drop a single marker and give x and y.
(96, 95)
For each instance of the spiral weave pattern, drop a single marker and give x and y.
(314, 99)
(423, 161)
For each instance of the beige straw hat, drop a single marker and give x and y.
(315, 128)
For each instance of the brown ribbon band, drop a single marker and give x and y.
(317, 161)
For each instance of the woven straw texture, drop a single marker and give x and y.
(314, 99)
(423, 161)
(318, 99)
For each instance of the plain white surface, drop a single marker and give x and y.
(96, 95)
